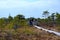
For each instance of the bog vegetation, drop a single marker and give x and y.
(18, 25)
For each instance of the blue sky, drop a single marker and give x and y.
(29, 8)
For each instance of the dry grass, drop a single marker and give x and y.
(27, 33)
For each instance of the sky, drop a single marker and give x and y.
(28, 8)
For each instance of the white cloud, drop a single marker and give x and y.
(20, 3)
(12, 4)
(28, 8)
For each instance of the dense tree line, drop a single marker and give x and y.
(20, 20)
